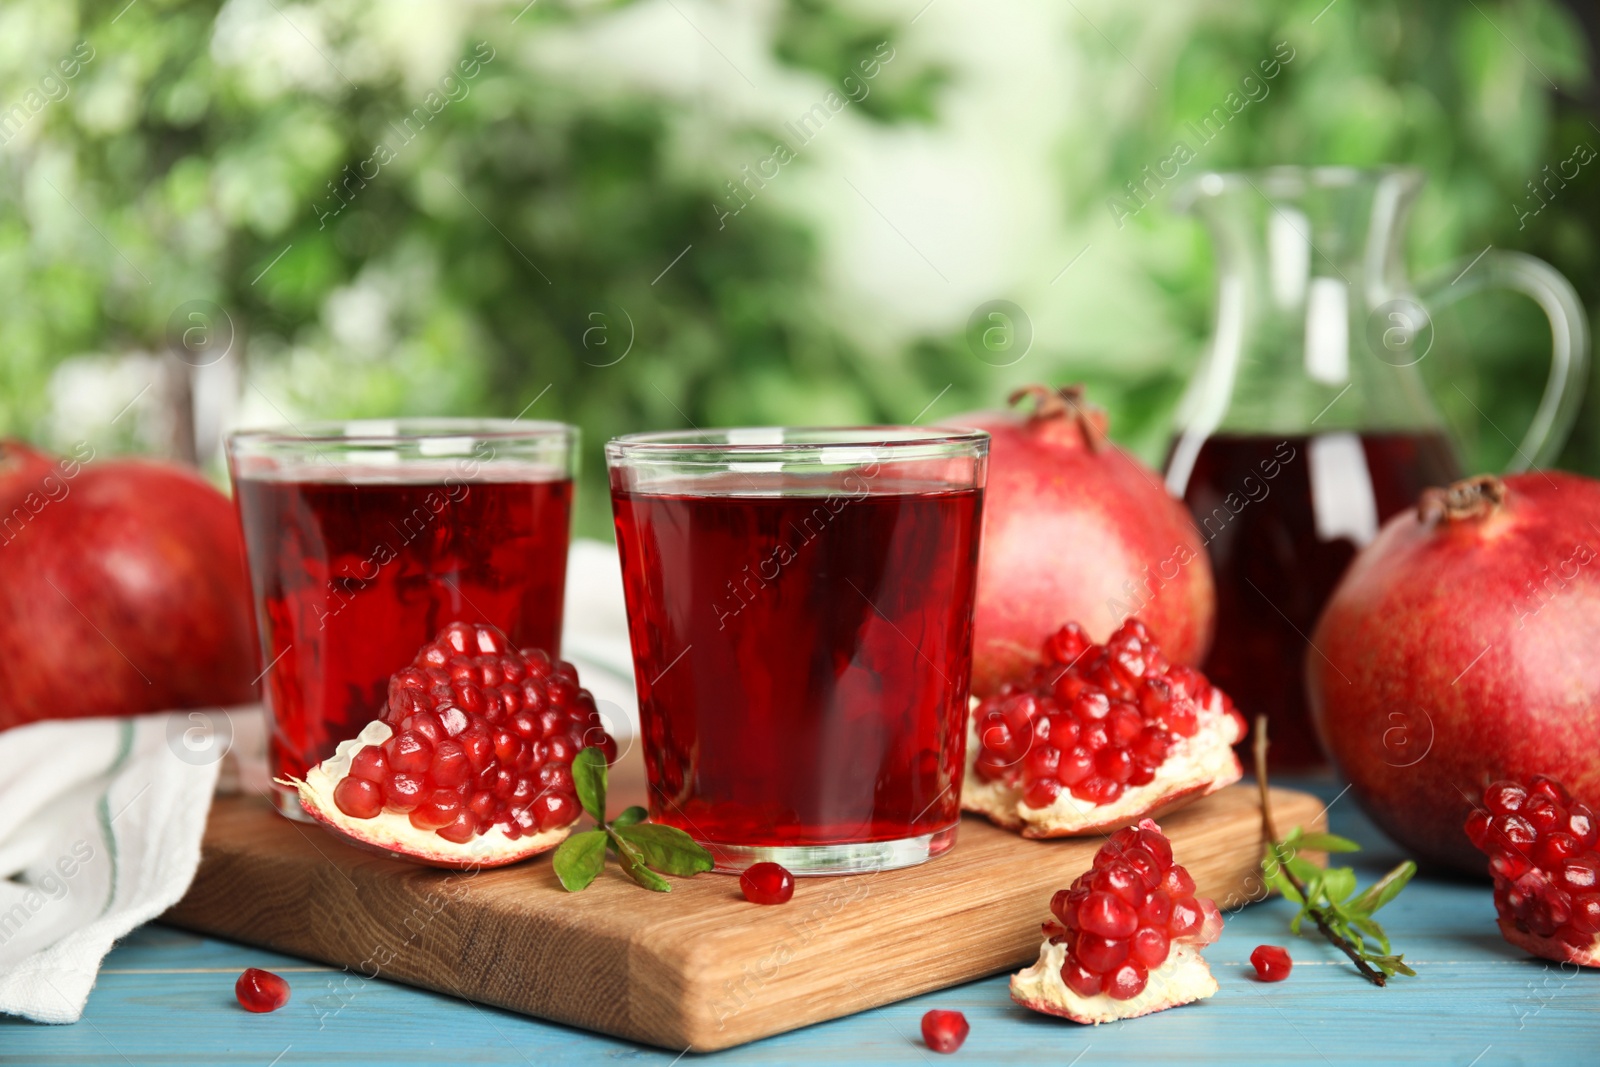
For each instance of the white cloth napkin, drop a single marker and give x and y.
(100, 824)
(594, 634)
(101, 819)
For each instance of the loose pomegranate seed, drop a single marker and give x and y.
(261, 991)
(944, 1031)
(1271, 962)
(1093, 721)
(1120, 917)
(1542, 855)
(767, 883)
(484, 736)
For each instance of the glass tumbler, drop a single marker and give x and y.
(800, 607)
(366, 538)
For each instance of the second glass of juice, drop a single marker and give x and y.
(800, 608)
(366, 538)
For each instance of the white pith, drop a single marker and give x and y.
(1198, 765)
(1182, 979)
(393, 831)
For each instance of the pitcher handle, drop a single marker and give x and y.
(1569, 332)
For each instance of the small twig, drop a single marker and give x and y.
(1270, 832)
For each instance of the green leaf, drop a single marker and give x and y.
(666, 848)
(1386, 888)
(1391, 965)
(630, 816)
(1371, 928)
(589, 775)
(1306, 871)
(1274, 877)
(633, 866)
(1326, 897)
(1338, 883)
(579, 859)
(1326, 843)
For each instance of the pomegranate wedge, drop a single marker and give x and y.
(1127, 938)
(1099, 737)
(471, 762)
(1546, 868)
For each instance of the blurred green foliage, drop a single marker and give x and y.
(547, 215)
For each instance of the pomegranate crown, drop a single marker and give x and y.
(1471, 498)
(1064, 402)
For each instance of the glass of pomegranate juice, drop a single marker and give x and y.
(366, 538)
(800, 607)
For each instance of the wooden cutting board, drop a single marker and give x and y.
(695, 968)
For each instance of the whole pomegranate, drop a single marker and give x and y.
(1075, 528)
(122, 589)
(1459, 649)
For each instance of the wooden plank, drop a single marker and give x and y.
(698, 967)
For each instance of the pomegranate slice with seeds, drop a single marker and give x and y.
(1127, 938)
(1098, 737)
(1542, 854)
(470, 764)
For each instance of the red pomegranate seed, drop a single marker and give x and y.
(944, 1031)
(1100, 954)
(1041, 793)
(358, 798)
(1107, 916)
(1067, 644)
(261, 991)
(1177, 882)
(1272, 963)
(370, 763)
(767, 883)
(1149, 945)
(1080, 979)
(1186, 917)
(1126, 980)
(1503, 798)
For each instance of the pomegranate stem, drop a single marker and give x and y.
(1269, 832)
(1065, 401)
(1471, 498)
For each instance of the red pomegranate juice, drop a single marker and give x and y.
(1281, 517)
(352, 578)
(803, 659)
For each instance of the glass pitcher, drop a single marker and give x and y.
(1308, 423)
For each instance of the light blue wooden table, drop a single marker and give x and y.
(166, 997)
